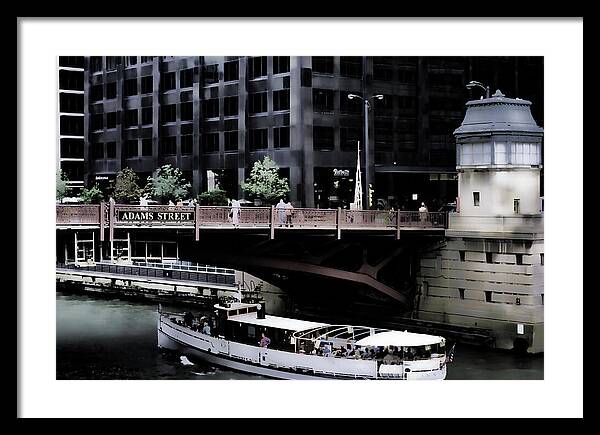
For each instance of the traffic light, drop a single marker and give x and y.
(371, 192)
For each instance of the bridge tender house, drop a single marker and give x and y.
(160, 216)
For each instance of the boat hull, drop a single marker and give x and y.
(166, 342)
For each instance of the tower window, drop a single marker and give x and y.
(517, 206)
(519, 259)
(476, 199)
(462, 255)
(488, 257)
(488, 296)
(461, 293)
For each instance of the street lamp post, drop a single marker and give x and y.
(474, 84)
(367, 104)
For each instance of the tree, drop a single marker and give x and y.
(214, 197)
(62, 188)
(265, 183)
(126, 186)
(91, 196)
(167, 184)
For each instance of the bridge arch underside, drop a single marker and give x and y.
(361, 269)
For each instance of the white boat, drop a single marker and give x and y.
(301, 349)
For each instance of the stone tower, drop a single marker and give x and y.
(490, 273)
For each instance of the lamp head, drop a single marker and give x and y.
(379, 97)
(352, 96)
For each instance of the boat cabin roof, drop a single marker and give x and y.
(399, 338)
(275, 322)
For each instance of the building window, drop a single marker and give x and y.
(97, 122)
(407, 103)
(383, 69)
(71, 125)
(71, 103)
(230, 106)
(517, 206)
(232, 71)
(130, 87)
(351, 66)
(323, 138)
(147, 115)
(168, 81)
(231, 140)
(147, 84)
(131, 118)
(323, 100)
(258, 139)
(281, 137)
(111, 120)
(349, 137)
(281, 100)
(257, 103)
(257, 67)
(210, 108)
(112, 62)
(96, 63)
(111, 90)
(130, 61)
(281, 64)
(168, 146)
(407, 76)
(168, 113)
(111, 150)
(146, 59)
(186, 78)
(519, 259)
(461, 293)
(542, 259)
(131, 148)
(476, 199)
(187, 144)
(71, 148)
(350, 106)
(97, 151)
(71, 80)
(488, 257)
(210, 74)
(96, 93)
(488, 296)
(147, 147)
(461, 255)
(210, 143)
(322, 64)
(187, 111)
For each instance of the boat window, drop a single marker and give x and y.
(251, 331)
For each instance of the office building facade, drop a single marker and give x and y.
(213, 117)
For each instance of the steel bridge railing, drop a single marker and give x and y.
(258, 217)
(203, 274)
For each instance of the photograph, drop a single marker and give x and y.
(300, 217)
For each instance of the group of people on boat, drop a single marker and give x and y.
(387, 354)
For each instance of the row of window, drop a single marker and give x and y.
(323, 101)
(112, 62)
(499, 153)
(257, 140)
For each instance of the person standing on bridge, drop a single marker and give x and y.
(289, 211)
(423, 214)
(235, 213)
(281, 212)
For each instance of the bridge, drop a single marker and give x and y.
(116, 216)
(370, 253)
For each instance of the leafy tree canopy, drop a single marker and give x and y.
(62, 189)
(126, 186)
(214, 197)
(167, 184)
(91, 196)
(265, 183)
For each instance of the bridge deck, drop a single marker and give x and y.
(110, 216)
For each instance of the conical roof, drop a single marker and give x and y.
(498, 114)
